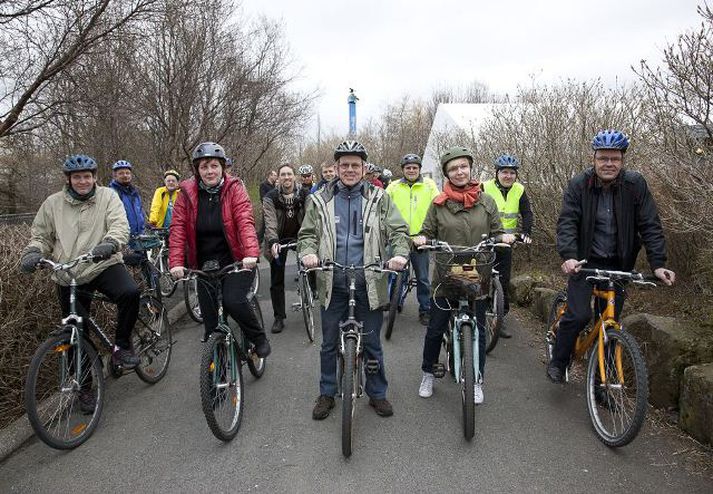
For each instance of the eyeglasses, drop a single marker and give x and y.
(347, 166)
(462, 166)
(606, 159)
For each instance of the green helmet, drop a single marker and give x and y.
(453, 153)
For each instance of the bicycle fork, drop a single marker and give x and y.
(457, 323)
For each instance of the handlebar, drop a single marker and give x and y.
(486, 244)
(332, 265)
(235, 267)
(57, 266)
(597, 275)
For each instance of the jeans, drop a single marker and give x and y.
(439, 324)
(117, 284)
(419, 261)
(503, 263)
(337, 311)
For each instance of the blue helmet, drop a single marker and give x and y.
(121, 164)
(506, 161)
(79, 163)
(610, 139)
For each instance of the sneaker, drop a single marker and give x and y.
(426, 388)
(87, 401)
(478, 394)
(382, 407)
(555, 374)
(125, 358)
(322, 407)
(278, 326)
(504, 333)
(262, 349)
(424, 318)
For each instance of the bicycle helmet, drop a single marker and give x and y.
(79, 163)
(610, 139)
(453, 153)
(305, 170)
(507, 161)
(172, 172)
(209, 150)
(229, 162)
(387, 174)
(347, 148)
(120, 165)
(373, 168)
(410, 159)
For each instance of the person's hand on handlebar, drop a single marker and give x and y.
(572, 266)
(275, 249)
(249, 262)
(310, 261)
(178, 272)
(665, 275)
(508, 238)
(397, 263)
(419, 240)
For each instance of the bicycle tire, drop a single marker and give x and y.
(256, 365)
(348, 395)
(219, 362)
(190, 297)
(152, 340)
(494, 315)
(394, 304)
(557, 308)
(467, 381)
(607, 406)
(40, 395)
(307, 303)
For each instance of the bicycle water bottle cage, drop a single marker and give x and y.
(371, 366)
(438, 370)
(212, 265)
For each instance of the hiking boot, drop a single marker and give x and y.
(278, 326)
(322, 407)
(555, 374)
(424, 318)
(87, 401)
(426, 388)
(262, 349)
(124, 358)
(382, 407)
(478, 394)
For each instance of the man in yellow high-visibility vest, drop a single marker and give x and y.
(513, 203)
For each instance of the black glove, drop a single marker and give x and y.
(29, 261)
(103, 251)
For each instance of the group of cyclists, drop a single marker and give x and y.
(352, 217)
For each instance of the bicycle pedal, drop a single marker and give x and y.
(438, 370)
(371, 366)
(296, 307)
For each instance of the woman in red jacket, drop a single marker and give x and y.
(213, 222)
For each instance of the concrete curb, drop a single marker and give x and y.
(20, 431)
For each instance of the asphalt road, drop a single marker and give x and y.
(531, 436)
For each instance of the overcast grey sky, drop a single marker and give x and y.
(387, 48)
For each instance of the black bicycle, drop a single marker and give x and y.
(225, 352)
(305, 293)
(65, 386)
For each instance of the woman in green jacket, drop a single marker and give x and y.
(460, 215)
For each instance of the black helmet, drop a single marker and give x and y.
(79, 163)
(350, 147)
(209, 150)
(410, 159)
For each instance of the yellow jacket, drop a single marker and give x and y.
(413, 200)
(159, 205)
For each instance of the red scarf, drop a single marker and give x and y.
(468, 195)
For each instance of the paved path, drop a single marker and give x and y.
(531, 436)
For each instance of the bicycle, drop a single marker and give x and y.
(306, 295)
(65, 386)
(469, 271)
(224, 354)
(350, 358)
(158, 256)
(616, 376)
(400, 287)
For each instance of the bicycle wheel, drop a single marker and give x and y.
(221, 386)
(467, 381)
(559, 305)
(64, 405)
(394, 303)
(307, 303)
(256, 365)
(494, 315)
(152, 340)
(618, 407)
(166, 283)
(348, 395)
(190, 297)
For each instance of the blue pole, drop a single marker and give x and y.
(352, 112)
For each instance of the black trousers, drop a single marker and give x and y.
(277, 285)
(503, 263)
(117, 284)
(235, 287)
(579, 312)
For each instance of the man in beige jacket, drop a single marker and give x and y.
(81, 218)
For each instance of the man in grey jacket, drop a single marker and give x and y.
(351, 222)
(85, 218)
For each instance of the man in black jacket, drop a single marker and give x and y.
(265, 188)
(607, 213)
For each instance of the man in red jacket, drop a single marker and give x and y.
(213, 225)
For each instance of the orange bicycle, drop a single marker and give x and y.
(617, 378)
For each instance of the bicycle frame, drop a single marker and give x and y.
(459, 317)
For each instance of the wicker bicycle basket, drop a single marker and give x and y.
(467, 272)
